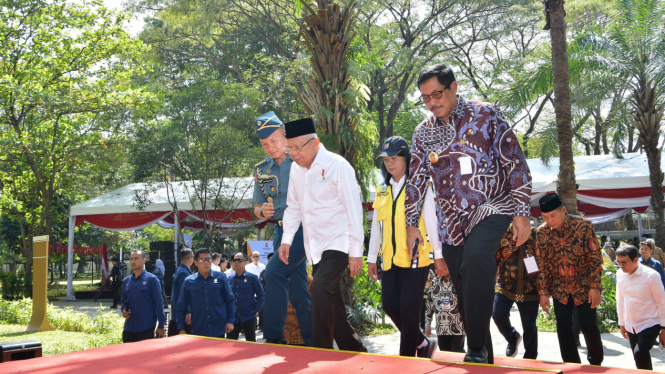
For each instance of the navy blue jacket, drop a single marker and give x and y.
(145, 302)
(178, 278)
(655, 265)
(249, 295)
(210, 301)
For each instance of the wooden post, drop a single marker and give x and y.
(39, 320)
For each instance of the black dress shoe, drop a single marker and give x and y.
(276, 341)
(477, 355)
(428, 350)
(514, 345)
(113, 307)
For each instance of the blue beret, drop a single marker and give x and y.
(266, 124)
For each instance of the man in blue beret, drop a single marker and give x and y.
(283, 282)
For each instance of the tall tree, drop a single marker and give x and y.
(64, 69)
(555, 22)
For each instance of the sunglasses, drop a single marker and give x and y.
(204, 259)
(436, 95)
(238, 260)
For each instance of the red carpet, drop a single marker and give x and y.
(187, 354)
(557, 366)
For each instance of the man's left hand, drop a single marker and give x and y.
(594, 297)
(355, 265)
(160, 333)
(229, 327)
(521, 229)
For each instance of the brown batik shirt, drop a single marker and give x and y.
(569, 260)
(514, 281)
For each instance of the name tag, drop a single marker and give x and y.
(465, 165)
(531, 265)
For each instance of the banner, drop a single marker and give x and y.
(264, 247)
(105, 261)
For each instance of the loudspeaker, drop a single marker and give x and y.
(162, 250)
(169, 267)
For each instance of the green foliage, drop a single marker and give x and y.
(607, 310)
(15, 285)
(59, 342)
(546, 322)
(367, 311)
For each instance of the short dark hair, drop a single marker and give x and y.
(223, 260)
(216, 256)
(199, 251)
(443, 72)
(244, 256)
(140, 251)
(627, 250)
(115, 259)
(186, 253)
(270, 256)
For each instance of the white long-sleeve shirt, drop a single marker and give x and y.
(326, 199)
(640, 299)
(429, 217)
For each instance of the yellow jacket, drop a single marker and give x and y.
(390, 214)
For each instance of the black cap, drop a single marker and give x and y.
(393, 146)
(550, 202)
(115, 258)
(300, 127)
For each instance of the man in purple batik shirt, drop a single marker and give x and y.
(482, 183)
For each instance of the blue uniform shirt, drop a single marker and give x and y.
(145, 302)
(210, 301)
(276, 184)
(178, 278)
(249, 295)
(655, 265)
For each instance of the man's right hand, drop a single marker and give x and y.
(441, 268)
(412, 233)
(624, 333)
(267, 209)
(372, 272)
(188, 319)
(545, 303)
(126, 313)
(284, 253)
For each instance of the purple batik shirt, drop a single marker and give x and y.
(497, 182)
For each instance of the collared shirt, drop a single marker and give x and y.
(640, 299)
(248, 294)
(229, 273)
(255, 269)
(655, 265)
(211, 303)
(498, 180)
(514, 281)
(214, 267)
(326, 199)
(144, 294)
(181, 273)
(276, 186)
(448, 320)
(569, 260)
(429, 211)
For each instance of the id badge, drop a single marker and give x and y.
(465, 165)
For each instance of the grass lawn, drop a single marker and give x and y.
(57, 342)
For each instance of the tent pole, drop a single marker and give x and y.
(70, 258)
(639, 224)
(177, 235)
(258, 234)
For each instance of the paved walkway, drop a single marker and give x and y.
(617, 350)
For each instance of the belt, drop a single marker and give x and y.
(277, 223)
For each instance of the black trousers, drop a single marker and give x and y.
(401, 295)
(564, 330)
(473, 272)
(115, 288)
(248, 327)
(451, 343)
(329, 320)
(641, 343)
(131, 337)
(528, 315)
(173, 328)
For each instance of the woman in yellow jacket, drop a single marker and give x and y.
(403, 278)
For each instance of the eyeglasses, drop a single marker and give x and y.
(623, 263)
(288, 149)
(436, 95)
(204, 259)
(238, 260)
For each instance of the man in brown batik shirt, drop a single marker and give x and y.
(516, 285)
(571, 266)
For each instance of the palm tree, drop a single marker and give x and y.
(633, 50)
(566, 187)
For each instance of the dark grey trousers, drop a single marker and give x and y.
(473, 272)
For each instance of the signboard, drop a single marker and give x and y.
(264, 247)
(61, 248)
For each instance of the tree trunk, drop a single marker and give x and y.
(567, 186)
(598, 134)
(606, 148)
(648, 115)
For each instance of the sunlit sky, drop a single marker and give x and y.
(136, 23)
